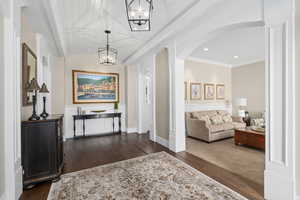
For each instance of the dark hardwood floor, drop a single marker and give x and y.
(94, 151)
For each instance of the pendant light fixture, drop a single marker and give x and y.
(107, 55)
(139, 14)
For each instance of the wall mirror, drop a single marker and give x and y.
(29, 71)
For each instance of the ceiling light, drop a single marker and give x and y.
(205, 49)
(235, 57)
(107, 55)
(139, 14)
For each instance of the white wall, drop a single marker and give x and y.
(162, 96)
(195, 71)
(97, 126)
(297, 75)
(2, 158)
(249, 81)
(132, 98)
(58, 89)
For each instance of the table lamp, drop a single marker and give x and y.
(34, 88)
(44, 90)
(242, 103)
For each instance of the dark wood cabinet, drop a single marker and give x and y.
(42, 150)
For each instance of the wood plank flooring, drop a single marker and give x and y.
(94, 151)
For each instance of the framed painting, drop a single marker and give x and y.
(95, 87)
(209, 91)
(29, 72)
(185, 90)
(195, 91)
(220, 91)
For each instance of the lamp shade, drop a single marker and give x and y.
(34, 86)
(44, 89)
(241, 102)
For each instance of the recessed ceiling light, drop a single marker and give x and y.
(235, 57)
(205, 49)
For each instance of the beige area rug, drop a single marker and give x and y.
(158, 176)
(241, 160)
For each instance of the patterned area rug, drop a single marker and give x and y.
(155, 176)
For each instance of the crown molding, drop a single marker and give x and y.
(209, 61)
(248, 63)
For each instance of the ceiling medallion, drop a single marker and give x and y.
(139, 14)
(107, 55)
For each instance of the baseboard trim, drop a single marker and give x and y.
(162, 141)
(132, 130)
(2, 196)
(278, 186)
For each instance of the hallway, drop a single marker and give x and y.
(94, 151)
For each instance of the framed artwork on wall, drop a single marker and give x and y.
(209, 91)
(195, 91)
(95, 87)
(185, 90)
(220, 91)
(29, 72)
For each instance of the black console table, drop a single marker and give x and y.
(96, 116)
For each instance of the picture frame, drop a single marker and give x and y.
(209, 91)
(195, 91)
(29, 71)
(185, 90)
(220, 91)
(95, 87)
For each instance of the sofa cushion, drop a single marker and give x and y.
(222, 112)
(209, 113)
(216, 119)
(227, 118)
(206, 119)
(238, 125)
(216, 128)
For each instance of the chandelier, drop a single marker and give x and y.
(107, 55)
(139, 14)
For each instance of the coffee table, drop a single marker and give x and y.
(248, 137)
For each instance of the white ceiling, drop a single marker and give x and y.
(246, 43)
(86, 20)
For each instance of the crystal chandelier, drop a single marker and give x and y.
(107, 55)
(139, 14)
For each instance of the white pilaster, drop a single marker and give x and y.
(177, 125)
(280, 83)
(12, 100)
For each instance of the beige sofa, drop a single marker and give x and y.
(212, 125)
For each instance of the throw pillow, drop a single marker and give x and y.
(217, 119)
(227, 119)
(206, 119)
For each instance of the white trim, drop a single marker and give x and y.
(248, 63)
(162, 141)
(132, 130)
(208, 61)
(2, 197)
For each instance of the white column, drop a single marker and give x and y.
(177, 125)
(280, 137)
(12, 102)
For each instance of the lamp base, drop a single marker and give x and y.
(242, 113)
(44, 115)
(34, 117)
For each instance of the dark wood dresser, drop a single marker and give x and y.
(42, 150)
